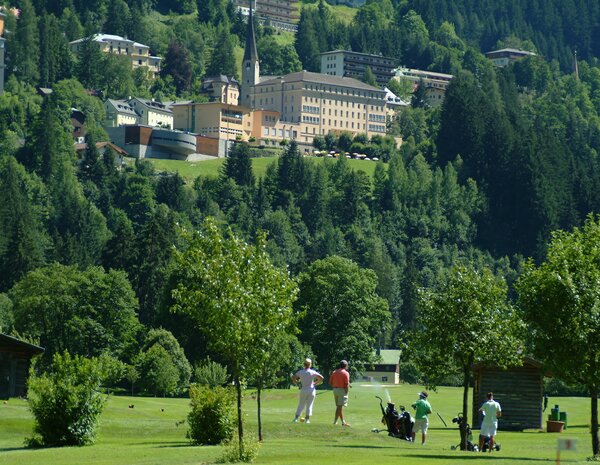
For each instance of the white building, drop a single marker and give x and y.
(138, 54)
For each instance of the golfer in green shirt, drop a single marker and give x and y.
(422, 409)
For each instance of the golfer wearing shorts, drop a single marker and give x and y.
(308, 379)
(340, 382)
(423, 408)
(491, 411)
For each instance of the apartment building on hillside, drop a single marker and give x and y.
(506, 56)
(435, 83)
(138, 54)
(280, 14)
(354, 64)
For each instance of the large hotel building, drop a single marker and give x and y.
(303, 105)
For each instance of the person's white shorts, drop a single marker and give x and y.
(421, 424)
(488, 429)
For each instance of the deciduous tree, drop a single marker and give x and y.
(237, 298)
(467, 320)
(559, 300)
(343, 315)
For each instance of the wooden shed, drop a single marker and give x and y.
(387, 370)
(519, 390)
(15, 359)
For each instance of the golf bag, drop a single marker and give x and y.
(486, 445)
(399, 424)
(459, 420)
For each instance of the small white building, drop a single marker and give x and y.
(387, 370)
(119, 113)
(152, 113)
(137, 54)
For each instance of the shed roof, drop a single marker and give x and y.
(5, 339)
(390, 356)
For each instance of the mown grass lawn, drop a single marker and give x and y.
(191, 170)
(147, 435)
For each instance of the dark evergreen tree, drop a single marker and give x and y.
(306, 42)
(90, 64)
(177, 65)
(24, 50)
(172, 191)
(238, 165)
(56, 59)
(222, 58)
(23, 238)
(211, 11)
(118, 18)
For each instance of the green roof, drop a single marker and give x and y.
(390, 357)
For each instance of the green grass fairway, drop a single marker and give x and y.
(145, 435)
(191, 170)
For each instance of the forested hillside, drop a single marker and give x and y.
(511, 155)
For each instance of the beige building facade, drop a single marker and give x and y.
(221, 89)
(215, 120)
(138, 54)
(316, 104)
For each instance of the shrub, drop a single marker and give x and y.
(211, 419)
(557, 387)
(159, 374)
(66, 402)
(210, 373)
(231, 452)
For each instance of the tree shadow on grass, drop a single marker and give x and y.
(362, 447)
(478, 456)
(12, 449)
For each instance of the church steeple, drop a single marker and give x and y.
(250, 64)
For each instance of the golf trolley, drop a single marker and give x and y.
(459, 420)
(399, 424)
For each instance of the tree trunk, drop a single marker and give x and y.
(238, 385)
(465, 420)
(465, 411)
(258, 390)
(595, 441)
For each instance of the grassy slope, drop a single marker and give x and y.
(147, 436)
(191, 170)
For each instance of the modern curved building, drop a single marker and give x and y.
(178, 144)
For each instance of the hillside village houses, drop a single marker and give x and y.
(138, 54)
(137, 110)
(264, 109)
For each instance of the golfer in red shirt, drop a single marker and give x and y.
(340, 382)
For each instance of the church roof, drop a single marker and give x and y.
(250, 52)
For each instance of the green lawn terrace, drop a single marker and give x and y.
(191, 170)
(150, 433)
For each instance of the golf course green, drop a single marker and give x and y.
(151, 433)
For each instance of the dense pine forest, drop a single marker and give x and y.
(87, 244)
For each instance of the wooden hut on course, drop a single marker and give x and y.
(15, 359)
(519, 390)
